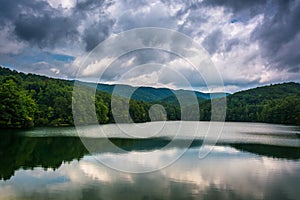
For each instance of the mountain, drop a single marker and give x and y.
(150, 94)
(28, 100)
(278, 103)
(273, 91)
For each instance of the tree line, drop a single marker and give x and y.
(279, 103)
(28, 100)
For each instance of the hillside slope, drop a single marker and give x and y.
(150, 94)
(278, 103)
(28, 100)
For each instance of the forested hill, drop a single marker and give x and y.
(28, 100)
(274, 91)
(149, 94)
(279, 103)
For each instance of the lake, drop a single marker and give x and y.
(248, 161)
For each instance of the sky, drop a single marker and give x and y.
(250, 42)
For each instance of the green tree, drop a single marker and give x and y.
(17, 108)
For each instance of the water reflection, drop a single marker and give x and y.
(226, 174)
(61, 168)
(18, 152)
(292, 153)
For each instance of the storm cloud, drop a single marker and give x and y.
(251, 42)
(237, 6)
(279, 36)
(45, 31)
(212, 41)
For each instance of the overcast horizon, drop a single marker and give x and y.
(251, 43)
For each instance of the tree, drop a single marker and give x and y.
(17, 108)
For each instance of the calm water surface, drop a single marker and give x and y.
(250, 161)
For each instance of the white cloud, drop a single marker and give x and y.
(95, 68)
(132, 15)
(55, 70)
(67, 4)
(230, 35)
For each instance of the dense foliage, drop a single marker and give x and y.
(28, 100)
(278, 103)
(17, 107)
(274, 104)
(32, 100)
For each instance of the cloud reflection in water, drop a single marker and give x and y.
(226, 173)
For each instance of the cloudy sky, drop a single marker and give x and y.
(250, 42)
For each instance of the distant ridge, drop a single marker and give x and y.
(150, 94)
(28, 100)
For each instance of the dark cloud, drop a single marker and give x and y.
(279, 36)
(88, 4)
(27, 24)
(9, 10)
(229, 44)
(44, 30)
(213, 41)
(96, 33)
(245, 8)
(236, 5)
(37, 23)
